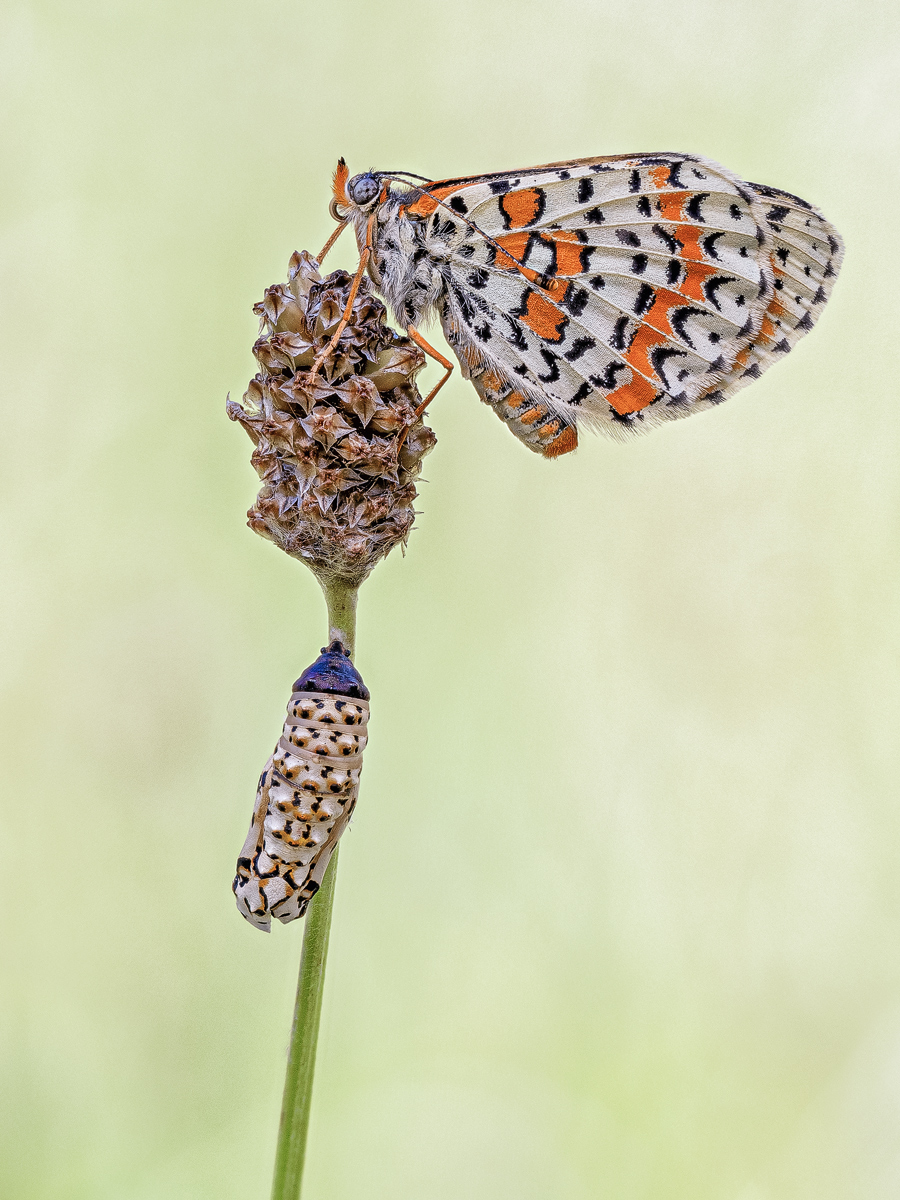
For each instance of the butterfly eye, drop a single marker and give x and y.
(362, 189)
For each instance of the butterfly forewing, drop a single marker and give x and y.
(625, 291)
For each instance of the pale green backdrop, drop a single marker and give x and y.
(619, 916)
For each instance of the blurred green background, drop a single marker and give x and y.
(619, 915)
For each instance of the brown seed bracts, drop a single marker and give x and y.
(337, 453)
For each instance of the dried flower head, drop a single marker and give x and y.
(337, 452)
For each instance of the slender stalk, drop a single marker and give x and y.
(290, 1152)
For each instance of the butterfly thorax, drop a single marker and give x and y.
(407, 259)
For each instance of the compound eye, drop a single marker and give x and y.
(362, 189)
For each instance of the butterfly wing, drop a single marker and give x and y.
(623, 291)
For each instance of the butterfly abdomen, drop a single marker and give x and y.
(306, 793)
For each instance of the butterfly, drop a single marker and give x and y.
(614, 292)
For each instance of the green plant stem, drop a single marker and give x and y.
(290, 1152)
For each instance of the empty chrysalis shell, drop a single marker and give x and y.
(306, 793)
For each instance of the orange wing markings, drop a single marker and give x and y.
(426, 205)
(515, 244)
(631, 397)
(671, 205)
(643, 342)
(659, 176)
(568, 252)
(522, 207)
(695, 275)
(543, 317)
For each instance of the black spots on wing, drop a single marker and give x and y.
(626, 419)
(581, 235)
(584, 259)
(819, 297)
(743, 252)
(692, 208)
(585, 190)
(628, 237)
(483, 332)
(673, 271)
(805, 322)
(644, 300)
(714, 337)
(466, 250)
(499, 186)
(523, 304)
(745, 328)
(740, 300)
(717, 364)
(643, 206)
(779, 284)
(711, 286)
(634, 181)
(580, 347)
(777, 213)
(458, 205)
(782, 252)
(444, 230)
(478, 278)
(521, 369)
(832, 244)
(735, 212)
(563, 174)
(552, 366)
(516, 337)
(597, 282)
(672, 243)
(752, 372)
(583, 392)
(639, 264)
(658, 358)
(709, 244)
(783, 346)
(607, 381)
(675, 179)
(619, 339)
(576, 300)
(594, 216)
(678, 321)
(827, 273)
(467, 309)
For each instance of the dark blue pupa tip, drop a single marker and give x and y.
(333, 672)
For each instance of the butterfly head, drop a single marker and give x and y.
(361, 192)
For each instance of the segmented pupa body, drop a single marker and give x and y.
(306, 793)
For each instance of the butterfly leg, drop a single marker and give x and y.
(348, 307)
(334, 237)
(438, 357)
